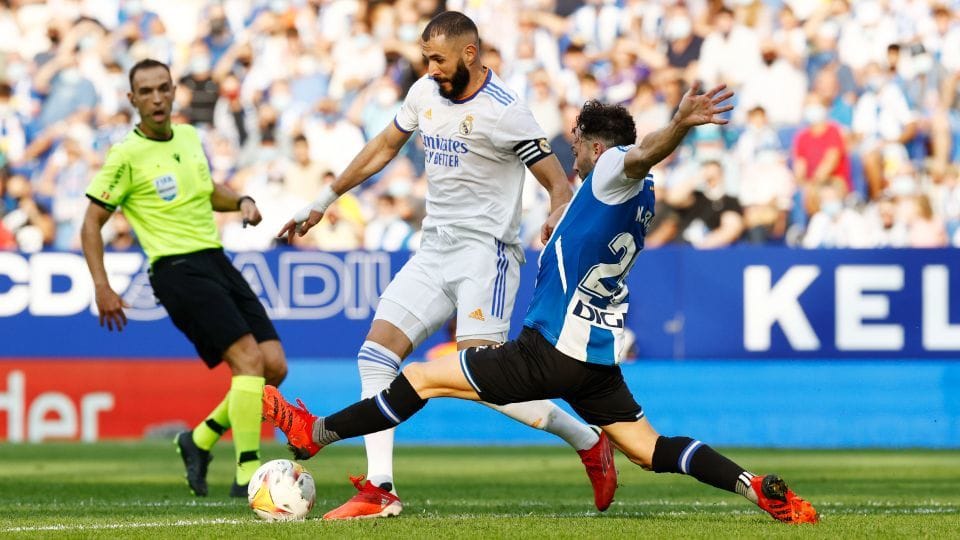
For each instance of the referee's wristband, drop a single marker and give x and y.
(244, 198)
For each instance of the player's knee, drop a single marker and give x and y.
(544, 416)
(274, 363)
(275, 372)
(645, 462)
(245, 358)
(416, 375)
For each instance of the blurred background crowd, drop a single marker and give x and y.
(846, 131)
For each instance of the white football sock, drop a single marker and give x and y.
(378, 367)
(546, 415)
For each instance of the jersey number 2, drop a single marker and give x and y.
(625, 247)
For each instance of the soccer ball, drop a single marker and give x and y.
(281, 490)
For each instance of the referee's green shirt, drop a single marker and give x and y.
(164, 189)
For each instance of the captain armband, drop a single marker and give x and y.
(533, 151)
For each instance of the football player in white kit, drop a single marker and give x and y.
(572, 340)
(478, 137)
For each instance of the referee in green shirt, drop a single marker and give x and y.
(159, 175)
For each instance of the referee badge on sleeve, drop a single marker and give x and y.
(166, 187)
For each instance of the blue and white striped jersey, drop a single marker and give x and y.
(581, 298)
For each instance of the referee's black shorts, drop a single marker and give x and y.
(209, 300)
(530, 368)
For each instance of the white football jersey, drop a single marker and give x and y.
(475, 152)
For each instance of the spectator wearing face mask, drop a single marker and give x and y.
(766, 185)
(333, 139)
(833, 225)
(387, 231)
(303, 176)
(882, 125)
(375, 107)
(826, 86)
(820, 155)
(865, 36)
(683, 46)
(731, 53)
(790, 37)
(704, 215)
(202, 91)
(885, 225)
(218, 38)
(135, 15)
(777, 86)
(63, 87)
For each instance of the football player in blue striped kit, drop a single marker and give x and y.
(572, 340)
(479, 140)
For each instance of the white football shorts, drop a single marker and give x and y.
(466, 273)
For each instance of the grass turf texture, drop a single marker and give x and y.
(135, 490)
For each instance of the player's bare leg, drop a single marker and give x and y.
(274, 362)
(654, 452)
(378, 361)
(594, 449)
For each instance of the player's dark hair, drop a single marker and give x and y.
(451, 24)
(146, 63)
(611, 123)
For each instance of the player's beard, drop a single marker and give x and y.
(458, 83)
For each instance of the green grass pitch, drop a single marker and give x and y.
(136, 490)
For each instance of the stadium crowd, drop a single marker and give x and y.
(846, 131)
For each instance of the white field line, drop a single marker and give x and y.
(734, 502)
(865, 508)
(195, 522)
(133, 525)
(93, 503)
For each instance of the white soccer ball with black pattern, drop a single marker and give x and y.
(281, 490)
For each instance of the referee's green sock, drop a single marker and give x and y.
(245, 410)
(208, 432)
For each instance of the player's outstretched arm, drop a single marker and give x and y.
(109, 304)
(372, 159)
(695, 109)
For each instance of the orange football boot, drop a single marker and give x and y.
(295, 422)
(370, 502)
(779, 501)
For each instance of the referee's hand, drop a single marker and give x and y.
(249, 212)
(110, 306)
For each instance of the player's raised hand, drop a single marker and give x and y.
(302, 221)
(696, 109)
(110, 307)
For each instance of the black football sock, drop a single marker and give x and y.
(383, 411)
(688, 456)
